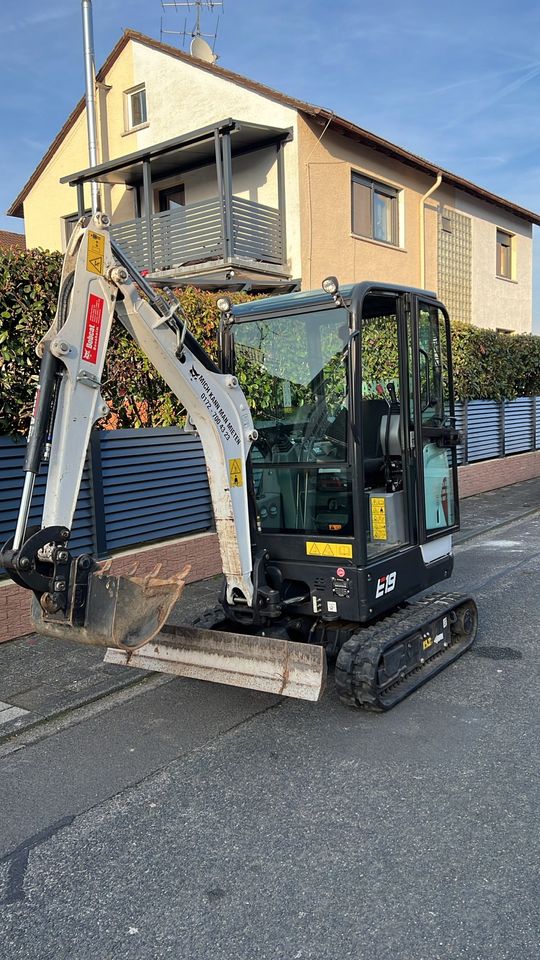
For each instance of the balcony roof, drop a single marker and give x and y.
(177, 156)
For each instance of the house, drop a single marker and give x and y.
(214, 179)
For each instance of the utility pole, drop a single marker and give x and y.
(90, 81)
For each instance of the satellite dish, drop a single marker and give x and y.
(202, 50)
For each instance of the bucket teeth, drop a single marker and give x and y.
(122, 610)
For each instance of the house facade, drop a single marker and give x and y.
(213, 179)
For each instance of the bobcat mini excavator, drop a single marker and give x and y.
(334, 496)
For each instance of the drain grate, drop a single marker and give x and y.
(497, 653)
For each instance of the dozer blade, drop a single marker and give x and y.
(121, 611)
(241, 660)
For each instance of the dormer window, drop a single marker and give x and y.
(135, 107)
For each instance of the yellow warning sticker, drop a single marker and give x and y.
(314, 548)
(95, 254)
(378, 518)
(235, 473)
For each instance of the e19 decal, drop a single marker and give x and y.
(386, 584)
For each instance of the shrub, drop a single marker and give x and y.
(134, 391)
(487, 365)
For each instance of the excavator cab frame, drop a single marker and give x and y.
(353, 524)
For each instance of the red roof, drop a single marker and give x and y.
(12, 241)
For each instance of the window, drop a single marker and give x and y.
(374, 210)
(135, 102)
(504, 254)
(69, 223)
(172, 198)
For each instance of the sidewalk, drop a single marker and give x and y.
(41, 679)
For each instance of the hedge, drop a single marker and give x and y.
(487, 365)
(135, 393)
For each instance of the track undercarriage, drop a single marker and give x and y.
(380, 664)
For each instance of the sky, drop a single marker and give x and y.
(458, 84)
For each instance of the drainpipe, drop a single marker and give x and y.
(90, 80)
(431, 190)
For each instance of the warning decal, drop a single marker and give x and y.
(315, 548)
(92, 329)
(378, 518)
(235, 473)
(95, 254)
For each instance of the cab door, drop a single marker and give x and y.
(432, 408)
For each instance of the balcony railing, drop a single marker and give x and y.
(194, 234)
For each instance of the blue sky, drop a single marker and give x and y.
(459, 86)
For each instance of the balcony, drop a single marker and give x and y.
(193, 235)
(216, 198)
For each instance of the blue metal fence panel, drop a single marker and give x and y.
(12, 454)
(519, 425)
(484, 430)
(154, 485)
(460, 425)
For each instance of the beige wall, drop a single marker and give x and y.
(328, 244)
(498, 302)
(49, 200)
(180, 98)
(254, 178)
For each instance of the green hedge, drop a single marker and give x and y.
(487, 365)
(136, 394)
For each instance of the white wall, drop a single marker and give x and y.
(181, 97)
(497, 302)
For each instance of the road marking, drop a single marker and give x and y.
(8, 712)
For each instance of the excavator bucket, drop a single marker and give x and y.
(123, 611)
(127, 614)
(259, 663)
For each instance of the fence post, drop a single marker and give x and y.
(96, 489)
(502, 423)
(533, 416)
(465, 423)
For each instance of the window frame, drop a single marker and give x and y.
(69, 222)
(128, 108)
(377, 187)
(511, 267)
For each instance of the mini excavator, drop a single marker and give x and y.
(334, 490)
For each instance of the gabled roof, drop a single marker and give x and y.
(345, 127)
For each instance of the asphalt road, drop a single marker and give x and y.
(206, 823)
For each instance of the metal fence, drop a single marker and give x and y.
(497, 429)
(138, 486)
(194, 232)
(141, 486)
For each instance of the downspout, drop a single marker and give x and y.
(431, 190)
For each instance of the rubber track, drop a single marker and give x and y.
(358, 659)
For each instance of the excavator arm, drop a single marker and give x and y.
(69, 401)
(74, 596)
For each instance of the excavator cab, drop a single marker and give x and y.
(354, 468)
(354, 474)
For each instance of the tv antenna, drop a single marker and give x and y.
(199, 46)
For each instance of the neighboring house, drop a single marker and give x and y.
(12, 241)
(214, 179)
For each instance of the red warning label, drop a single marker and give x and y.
(92, 330)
